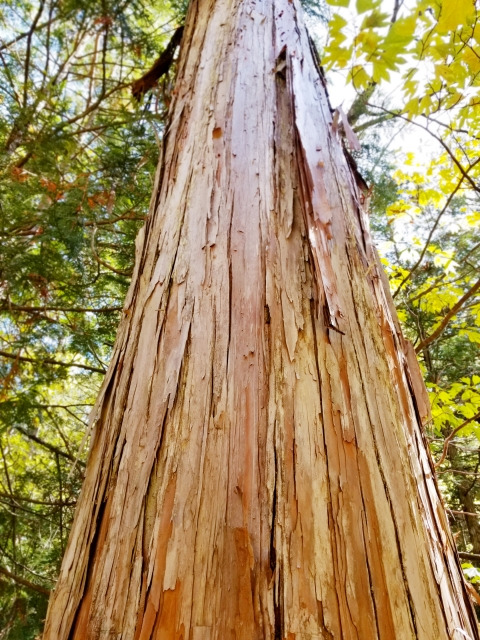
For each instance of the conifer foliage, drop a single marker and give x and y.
(77, 157)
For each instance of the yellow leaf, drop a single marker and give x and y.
(401, 32)
(360, 77)
(342, 57)
(445, 71)
(411, 107)
(380, 71)
(368, 40)
(336, 23)
(410, 87)
(429, 195)
(473, 336)
(409, 158)
(454, 13)
(453, 100)
(441, 48)
(367, 5)
(374, 19)
(473, 219)
(472, 58)
(425, 103)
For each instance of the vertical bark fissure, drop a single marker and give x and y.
(206, 427)
(367, 562)
(334, 545)
(389, 499)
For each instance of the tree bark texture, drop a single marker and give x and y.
(258, 467)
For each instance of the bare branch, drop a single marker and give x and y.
(47, 445)
(469, 556)
(10, 306)
(463, 171)
(21, 36)
(24, 582)
(16, 356)
(46, 503)
(29, 51)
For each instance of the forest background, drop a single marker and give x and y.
(78, 154)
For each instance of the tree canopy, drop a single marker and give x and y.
(77, 160)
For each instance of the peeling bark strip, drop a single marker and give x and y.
(258, 469)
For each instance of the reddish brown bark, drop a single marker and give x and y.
(258, 467)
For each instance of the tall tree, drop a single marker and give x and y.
(258, 468)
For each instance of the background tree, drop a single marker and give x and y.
(77, 156)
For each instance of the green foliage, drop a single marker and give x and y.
(77, 157)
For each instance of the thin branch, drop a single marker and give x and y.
(24, 512)
(62, 406)
(47, 46)
(396, 9)
(474, 248)
(463, 171)
(453, 312)
(129, 215)
(47, 445)
(64, 439)
(19, 564)
(89, 109)
(449, 438)
(105, 264)
(430, 235)
(459, 472)
(15, 356)
(14, 90)
(463, 513)
(24, 582)
(10, 306)
(104, 49)
(46, 503)
(469, 556)
(371, 123)
(60, 488)
(21, 36)
(29, 51)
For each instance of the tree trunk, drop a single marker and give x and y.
(258, 467)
